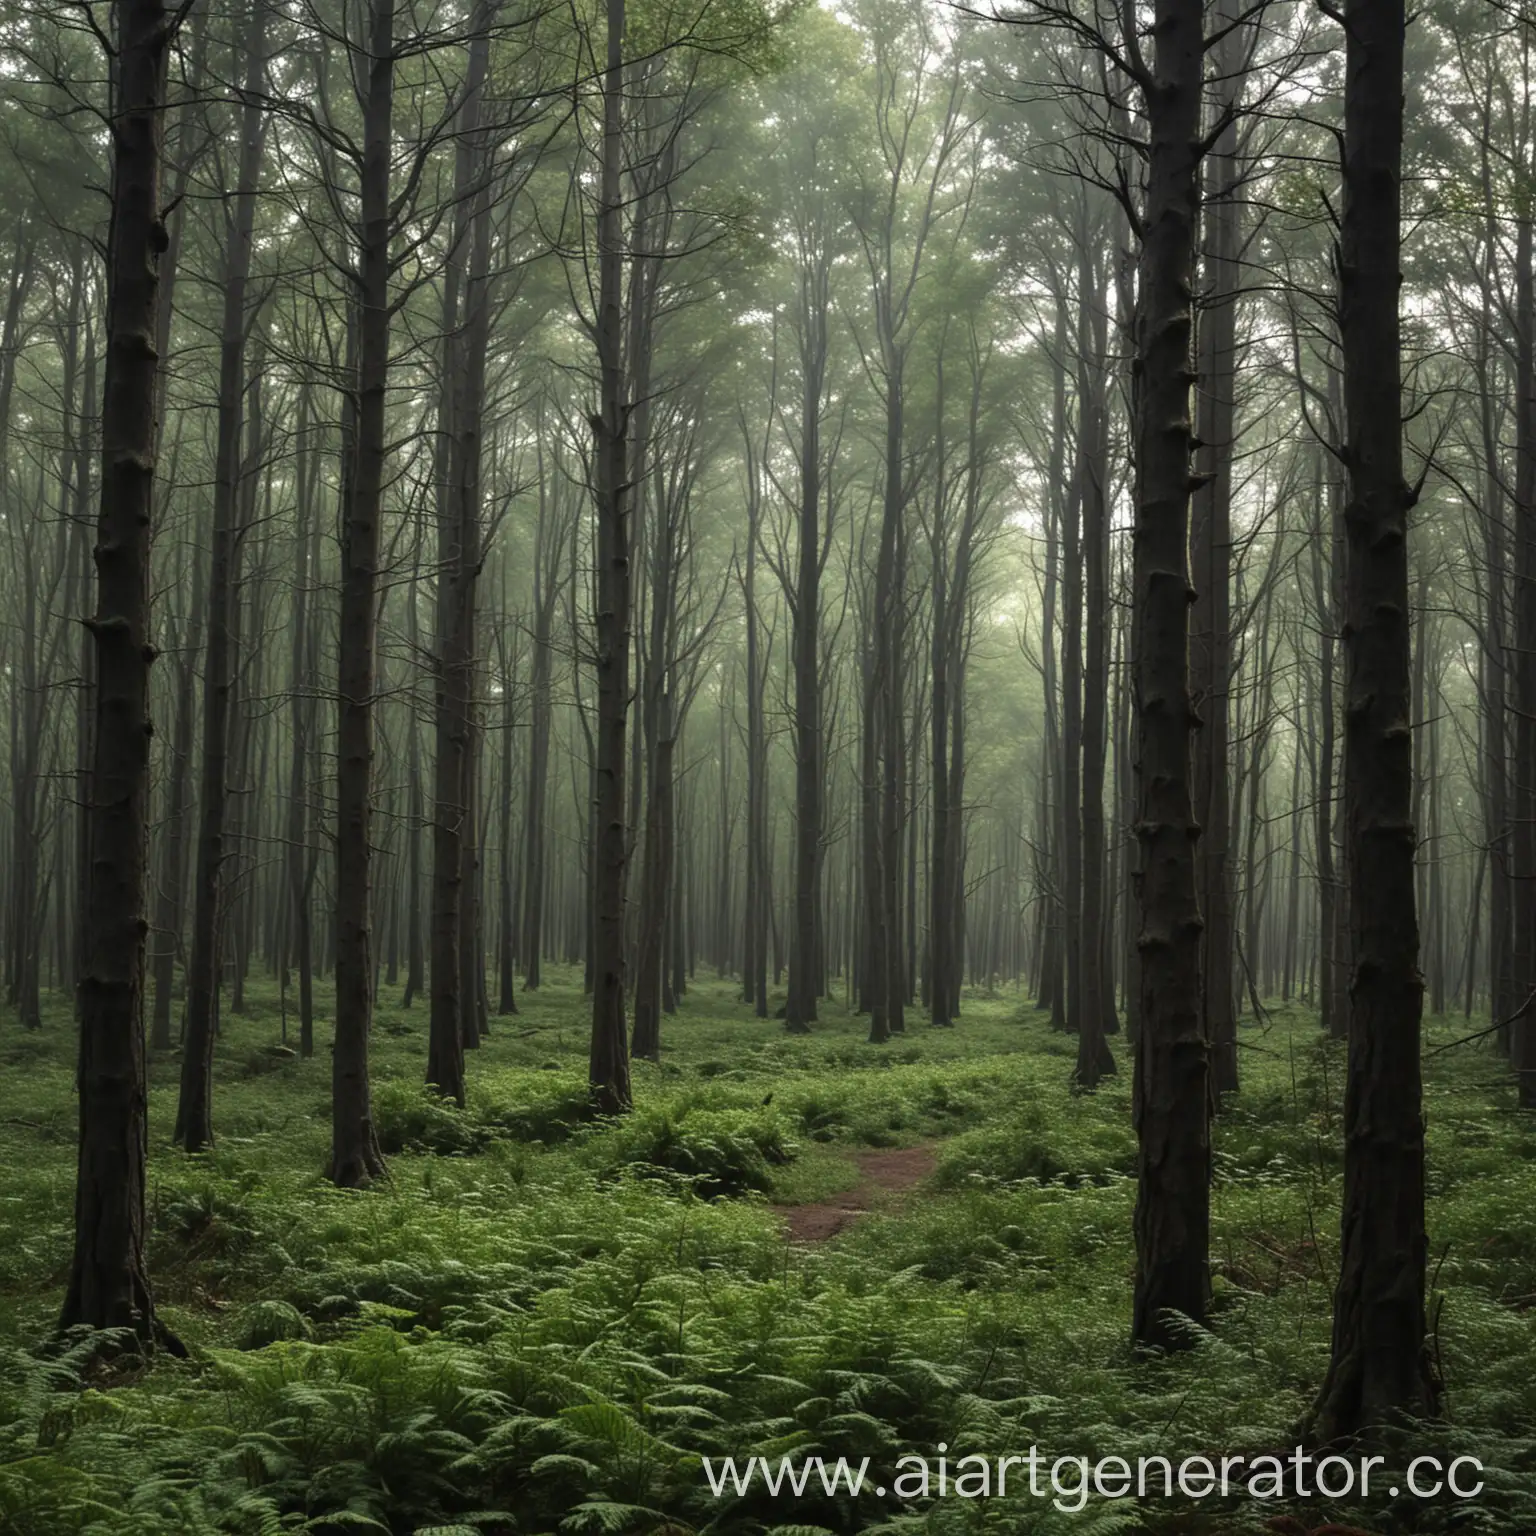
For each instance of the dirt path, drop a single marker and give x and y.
(882, 1173)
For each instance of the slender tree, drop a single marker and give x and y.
(455, 985)
(1173, 1171)
(1380, 1363)
(1211, 550)
(194, 1111)
(608, 1067)
(108, 1285)
(355, 1156)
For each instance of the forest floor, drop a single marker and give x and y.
(881, 1175)
(794, 1246)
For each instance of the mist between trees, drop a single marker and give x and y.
(886, 505)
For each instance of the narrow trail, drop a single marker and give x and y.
(883, 1172)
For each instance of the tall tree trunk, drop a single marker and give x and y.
(1076, 952)
(957, 827)
(1523, 777)
(755, 948)
(1435, 894)
(1094, 1059)
(881, 727)
(465, 328)
(1380, 1364)
(243, 810)
(194, 1109)
(1051, 993)
(894, 790)
(86, 703)
(415, 939)
(724, 927)
(805, 643)
(1290, 949)
(656, 883)
(355, 1156)
(171, 884)
(298, 856)
(1172, 1222)
(1211, 557)
(940, 653)
(474, 1012)
(507, 906)
(27, 914)
(1331, 1013)
(608, 1065)
(545, 595)
(1494, 681)
(108, 1285)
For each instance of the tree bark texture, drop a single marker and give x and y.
(355, 1155)
(1380, 1364)
(108, 1285)
(1172, 1221)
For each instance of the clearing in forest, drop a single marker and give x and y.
(882, 1174)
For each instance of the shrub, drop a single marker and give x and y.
(1076, 1146)
(721, 1152)
(544, 1112)
(265, 1322)
(408, 1117)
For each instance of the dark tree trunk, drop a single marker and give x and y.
(85, 694)
(805, 643)
(171, 885)
(465, 326)
(724, 928)
(355, 1156)
(1069, 869)
(951, 581)
(1380, 1364)
(28, 902)
(880, 876)
(681, 941)
(1172, 1222)
(242, 811)
(1523, 777)
(1211, 557)
(545, 596)
(608, 1067)
(194, 1109)
(108, 1285)
(1331, 1012)
(299, 855)
(507, 906)
(1495, 740)
(1094, 1059)
(941, 938)
(1435, 893)
(874, 973)
(473, 1010)
(656, 886)
(893, 807)
(1290, 950)
(1052, 993)
(1125, 778)
(415, 939)
(957, 828)
(755, 946)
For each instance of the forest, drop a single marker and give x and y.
(790, 735)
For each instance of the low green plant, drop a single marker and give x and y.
(717, 1152)
(536, 1325)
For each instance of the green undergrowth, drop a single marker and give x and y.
(543, 1321)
